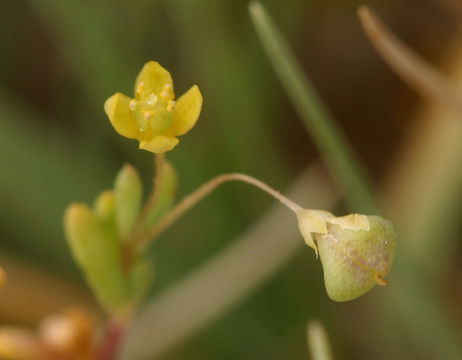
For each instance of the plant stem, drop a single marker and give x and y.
(111, 341)
(192, 199)
(159, 160)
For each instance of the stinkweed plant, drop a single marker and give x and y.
(108, 240)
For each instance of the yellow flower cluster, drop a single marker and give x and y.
(153, 117)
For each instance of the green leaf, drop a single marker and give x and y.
(97, 255)
(128, 191)
(104, 209)
(140, 278)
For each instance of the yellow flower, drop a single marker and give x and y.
(153, 117)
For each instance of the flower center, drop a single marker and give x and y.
(153, 112)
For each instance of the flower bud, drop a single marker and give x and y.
(356, 251)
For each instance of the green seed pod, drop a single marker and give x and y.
(356, 251)
(128, 191)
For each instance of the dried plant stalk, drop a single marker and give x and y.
(415, 71)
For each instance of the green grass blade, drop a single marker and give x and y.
(333, 146)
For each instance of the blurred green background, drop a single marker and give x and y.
(62, 58)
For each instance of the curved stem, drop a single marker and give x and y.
(192, 199)
(205, 294)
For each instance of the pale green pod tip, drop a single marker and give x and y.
(318, 341)
(312, 222)
(128, 190)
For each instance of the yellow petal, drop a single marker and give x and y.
(118, 110)
(153, 78)
(187, 110)
(159, 144)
